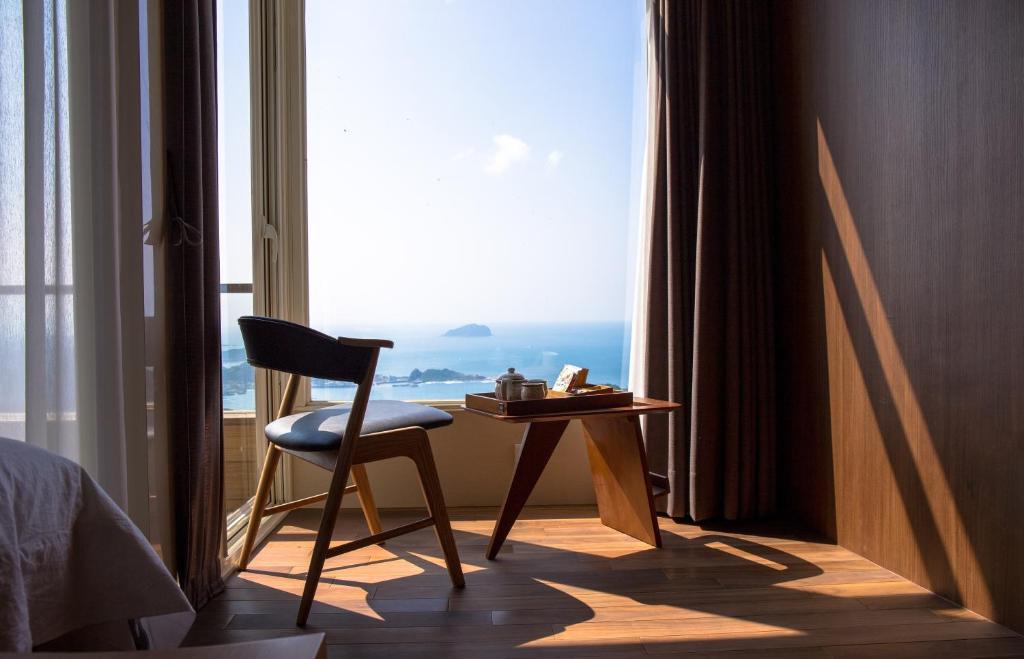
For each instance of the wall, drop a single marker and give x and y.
(475, 457)
(901, 178)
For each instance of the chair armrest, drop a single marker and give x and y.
(365, 343)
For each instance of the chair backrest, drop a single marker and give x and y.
(291, 348)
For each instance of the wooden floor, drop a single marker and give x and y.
(566, 586)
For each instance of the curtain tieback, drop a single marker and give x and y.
(185, 233)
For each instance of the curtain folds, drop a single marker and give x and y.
(193, 283)
(71, 302)
(705, 313)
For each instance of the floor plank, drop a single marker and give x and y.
(567, 586)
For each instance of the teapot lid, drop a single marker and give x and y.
(511, 375)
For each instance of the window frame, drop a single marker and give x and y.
(283, 189)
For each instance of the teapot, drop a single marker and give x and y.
(509, 386)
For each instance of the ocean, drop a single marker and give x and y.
(537, 350)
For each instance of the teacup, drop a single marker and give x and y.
(533, 390)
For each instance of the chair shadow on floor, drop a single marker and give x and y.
(709, 589)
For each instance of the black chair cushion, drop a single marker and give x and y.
(323, 429)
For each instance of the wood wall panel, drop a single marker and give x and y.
(901, 226)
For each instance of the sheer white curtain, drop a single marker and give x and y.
(37, 307)
(71, 338)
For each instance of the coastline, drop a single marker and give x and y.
(424, 365)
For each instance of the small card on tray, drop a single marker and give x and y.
(571, 377)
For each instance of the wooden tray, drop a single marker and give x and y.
(551, 405)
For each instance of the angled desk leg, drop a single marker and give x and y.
(622, 483)
(539, 441)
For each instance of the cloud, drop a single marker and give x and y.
(554, 159)
(508, 150)
(464, 153)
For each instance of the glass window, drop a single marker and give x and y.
(243, 442)
(235, 198)
(470, 170)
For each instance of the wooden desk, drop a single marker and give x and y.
(618, 465)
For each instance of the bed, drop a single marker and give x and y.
(75, 573)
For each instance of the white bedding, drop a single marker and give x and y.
(71, 559)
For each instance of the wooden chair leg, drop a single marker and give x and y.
(431, 485)
(323, 542)
(366, 501)
(259, 503)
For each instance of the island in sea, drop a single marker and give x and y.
(415, 378)
(472, 330)
(240, 378)
(232, 355)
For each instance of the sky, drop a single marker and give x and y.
(468, 160)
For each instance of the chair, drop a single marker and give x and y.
(341, 439)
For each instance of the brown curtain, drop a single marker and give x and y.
(709, 341)
(193, 288)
